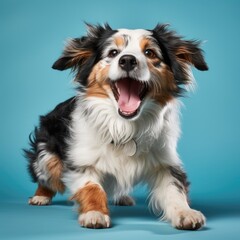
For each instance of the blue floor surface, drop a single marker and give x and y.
(18, 220)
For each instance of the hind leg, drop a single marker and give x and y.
(125, 201)
(51, 172)
(42, 196)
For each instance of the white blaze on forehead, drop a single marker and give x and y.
(131, 41)
(131, 45)
(135, 33)
(132, 37)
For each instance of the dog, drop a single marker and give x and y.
(122, 126)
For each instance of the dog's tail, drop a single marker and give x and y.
(31, 154)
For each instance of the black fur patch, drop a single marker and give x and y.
(181, 179)
(53, 131)
(170, 43)
(94, 42)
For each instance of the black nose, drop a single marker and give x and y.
(127, 62)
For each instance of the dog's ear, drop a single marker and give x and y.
(81, 54)
(79, 50)
(179, 53)
(190, 52)
(74, 54)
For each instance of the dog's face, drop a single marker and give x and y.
(132, 67)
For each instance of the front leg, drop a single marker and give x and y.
(93, 207)
(169, 194)
(91, 197)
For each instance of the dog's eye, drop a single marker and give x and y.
(149, 53)
(113, 53)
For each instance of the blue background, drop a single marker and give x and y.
(32, 38)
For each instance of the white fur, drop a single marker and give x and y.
(165, 196)
(39, 200)
(94, 219)
(133, 38)
(98, 137)
(40, 165)
(99, 148)
(117, 153)
(96, 124)
(188, 219)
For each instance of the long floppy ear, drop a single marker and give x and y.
(179, 54)
(75, 53)
(81, 54)
(190, 52)
(79, 50)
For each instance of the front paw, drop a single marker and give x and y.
(39, 200)
(94, 219)
(188, 220)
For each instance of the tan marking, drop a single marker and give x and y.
(162, 88)
(44, 191)
(84, 54)
(77, 55)
(155, 61)
(119, 41)
(184, 54)
(91, 198)
(55, 168)
(145, 43)
(98, 84)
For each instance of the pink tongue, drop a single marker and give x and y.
(129, 100)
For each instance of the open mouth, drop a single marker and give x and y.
(129, 94)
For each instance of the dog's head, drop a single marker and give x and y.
(132, 67)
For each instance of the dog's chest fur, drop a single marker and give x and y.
(125, 149)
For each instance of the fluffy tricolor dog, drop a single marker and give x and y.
(121, 128)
